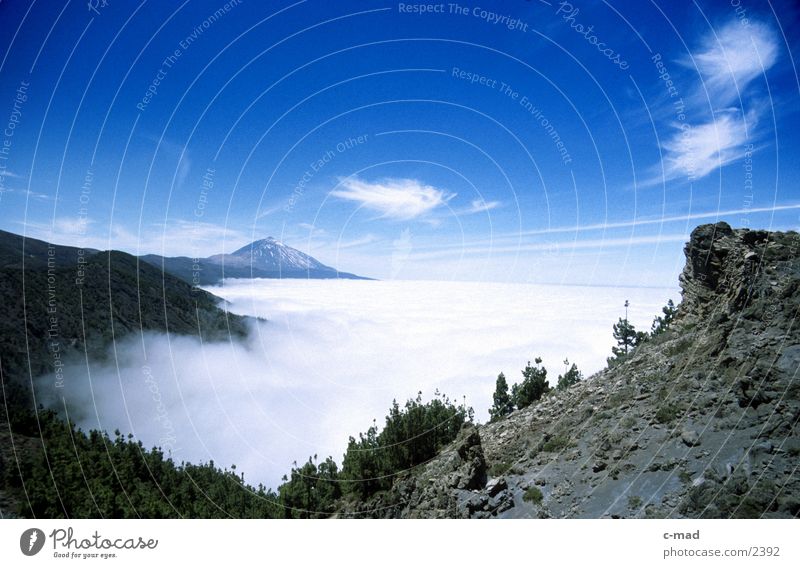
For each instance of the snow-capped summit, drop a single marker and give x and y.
(271, 254)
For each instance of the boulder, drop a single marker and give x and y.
(495, 486)
(690, 437)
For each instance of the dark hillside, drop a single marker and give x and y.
(64, 311)
(59, 309)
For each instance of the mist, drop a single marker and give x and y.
(330, 358)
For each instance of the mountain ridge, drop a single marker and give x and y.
(699, 421)
(263, 258)
(68, 306)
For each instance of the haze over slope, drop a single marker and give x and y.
(332, 355)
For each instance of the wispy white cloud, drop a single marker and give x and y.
(697, 151)
(402, 199)
(26, 193)
(731, 57)
(401, 250)
(182, 237)
(367, 239)
(547, 247)
(184, 169)
(63, 230)
(312, 230)
(479, 206)
(519, 238)
(36, 195)
(178, 151)
(720, 214)
(267, 211)
(727, 61)
(72, 225)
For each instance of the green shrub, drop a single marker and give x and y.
(634, 502)
(413, 434)
(533, 386)
(533, 495)
(556, 444)
(603, 415)
(620, 397)
(570, 377)
(666, 413)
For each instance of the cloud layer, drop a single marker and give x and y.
(331, 358)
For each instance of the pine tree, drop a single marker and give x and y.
(662, 324)
(534, 385)
(413, 434)
(310, 490)
(570, 377)
(625, 334)
(502, 400)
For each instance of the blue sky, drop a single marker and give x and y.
(531, 141)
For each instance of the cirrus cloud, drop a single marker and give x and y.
(732, 57)
(393, 198)
(481, 206)
(728, 60)
(698, 151)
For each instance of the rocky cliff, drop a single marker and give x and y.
(700, 421)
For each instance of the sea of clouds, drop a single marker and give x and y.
(331, 356)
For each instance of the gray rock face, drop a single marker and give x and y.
(690, 438)
(495, 486)
(700, 421)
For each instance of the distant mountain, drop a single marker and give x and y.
(265, 258)
(271, 254)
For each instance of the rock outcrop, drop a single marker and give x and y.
(699, 421)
